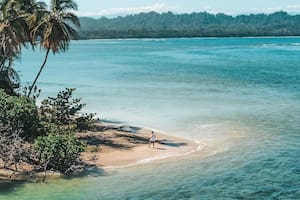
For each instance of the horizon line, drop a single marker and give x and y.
(182, 13)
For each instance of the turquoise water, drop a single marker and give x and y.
(237, 97)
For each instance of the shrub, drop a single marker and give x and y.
(63, 110)
(50, 130)
(85, 122)
(21, 114)
(13, 149)
(58, 152)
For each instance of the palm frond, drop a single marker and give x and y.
(63, 5)
(71, 18)
(58, 26)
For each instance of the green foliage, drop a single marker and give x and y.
(63, 111)
(58, 152)
(22, 22)
(58, 149)
(20, 113)
(85, 121)
(203, 24)
(35, 93)
(60, 116)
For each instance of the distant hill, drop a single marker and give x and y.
(203, 24)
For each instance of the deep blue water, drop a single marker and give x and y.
(239, 98)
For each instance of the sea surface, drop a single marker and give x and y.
(238, 98)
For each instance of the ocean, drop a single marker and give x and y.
(238, 98)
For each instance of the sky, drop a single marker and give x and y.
(111, 8)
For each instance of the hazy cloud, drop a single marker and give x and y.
(162, 7)
(158, 7)
(293, 8)
(289, 9)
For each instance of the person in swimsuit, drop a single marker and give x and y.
(152, 139)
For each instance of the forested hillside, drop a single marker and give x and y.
(155, 25)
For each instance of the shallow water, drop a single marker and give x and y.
(237, 97)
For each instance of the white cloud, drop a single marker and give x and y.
(293, 8)
(162, 7)
(158, 7)
(288, 8)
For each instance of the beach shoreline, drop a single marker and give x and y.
(128, 145)
(112, 146)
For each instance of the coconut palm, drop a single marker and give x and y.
(31, 6)
(13, 30)
(56, 29)
(14, 25)
(14, 33)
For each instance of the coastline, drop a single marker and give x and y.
(112, 146)
(125, 146)
(203, 37)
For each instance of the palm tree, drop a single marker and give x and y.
(13, 30)
(14, 33)
(56, 29)
(14, 25)
(31, 6)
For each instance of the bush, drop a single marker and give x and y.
(21, 114)
(85, 122)
(13, 149)
(63, 110)
(50, 129)
(58, 152)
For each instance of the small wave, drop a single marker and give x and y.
(295, 44)
(153, 39)
(280, 45)
(142, 39)
(269, 45)
(207, 125)
(152, 159)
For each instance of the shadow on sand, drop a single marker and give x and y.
(115, 141)
(96, 140)
(172, 143)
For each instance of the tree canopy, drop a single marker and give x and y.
(203, 24)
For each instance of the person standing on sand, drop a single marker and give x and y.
(152, 139)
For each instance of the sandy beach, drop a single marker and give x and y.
(112, 146)
(119, 146)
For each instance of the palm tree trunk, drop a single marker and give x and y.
(39, 73)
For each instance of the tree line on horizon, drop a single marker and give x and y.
(203, 24)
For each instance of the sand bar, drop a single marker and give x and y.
(120, 146)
